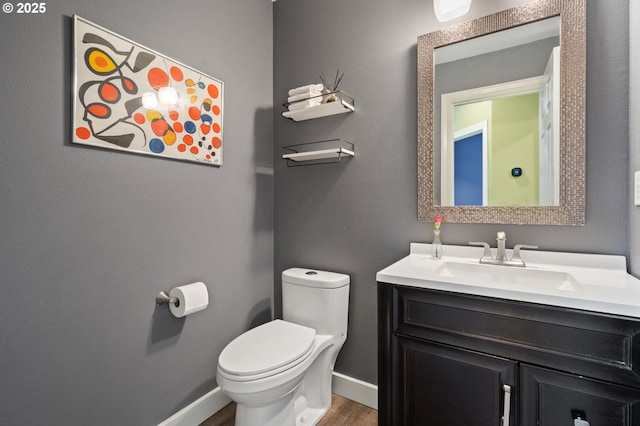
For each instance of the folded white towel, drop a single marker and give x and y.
(310, 95)
(317, 87)
(304, 104)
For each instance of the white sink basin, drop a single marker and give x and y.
(508, 275)
(583, 281)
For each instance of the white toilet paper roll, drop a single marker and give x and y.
(192, 298)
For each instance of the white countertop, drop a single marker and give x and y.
(592, 282)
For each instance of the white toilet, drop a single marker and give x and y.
(279, 373)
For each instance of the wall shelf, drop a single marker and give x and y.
(320, 152)
(344, 103)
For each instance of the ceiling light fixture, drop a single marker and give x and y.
(447, 10)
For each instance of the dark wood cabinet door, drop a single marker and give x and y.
(444, 385)
(561, 363)
(551, 398)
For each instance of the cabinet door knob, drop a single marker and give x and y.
(579, 418)
(507, 405)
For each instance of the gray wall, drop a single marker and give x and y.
(502, 66)
(89, 236)
(634, 132)
(359, 216)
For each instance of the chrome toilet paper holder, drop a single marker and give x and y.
(185, 299)
(164, 298)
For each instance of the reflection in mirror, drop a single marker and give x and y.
(494, 103)
(501, 129)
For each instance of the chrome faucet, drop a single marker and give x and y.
(501, 256)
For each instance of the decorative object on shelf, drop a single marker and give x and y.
(305, 97)
(130, 98)
(319, 152)
(331, 90)
(345, 103)
(436, 245)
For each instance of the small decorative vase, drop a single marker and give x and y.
(436, 245)
(331, 97)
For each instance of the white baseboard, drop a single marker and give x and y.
(199, 410)
(355, 390)
(209, 404)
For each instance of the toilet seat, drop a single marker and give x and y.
(267, 350)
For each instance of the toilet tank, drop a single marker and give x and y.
(316, 299)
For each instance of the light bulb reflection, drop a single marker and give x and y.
(168, 96)
(149, 100)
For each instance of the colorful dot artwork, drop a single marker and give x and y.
(131, 98)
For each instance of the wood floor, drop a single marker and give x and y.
(344, 412)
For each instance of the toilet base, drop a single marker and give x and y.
(308, 416)
(284, 412)
(307, 396)
(280, 413)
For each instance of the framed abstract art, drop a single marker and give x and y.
(130, 98)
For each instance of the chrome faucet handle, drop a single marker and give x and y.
(486, 254)
(516, 252)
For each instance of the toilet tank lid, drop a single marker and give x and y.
(315, 278)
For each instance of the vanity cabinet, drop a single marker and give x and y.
(445, 378)
(445, 358)
(555, 398)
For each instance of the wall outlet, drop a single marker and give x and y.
(636, 190)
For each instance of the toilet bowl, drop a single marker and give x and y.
(279, 373)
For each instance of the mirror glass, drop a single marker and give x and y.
(501, 117)
(495, 125)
